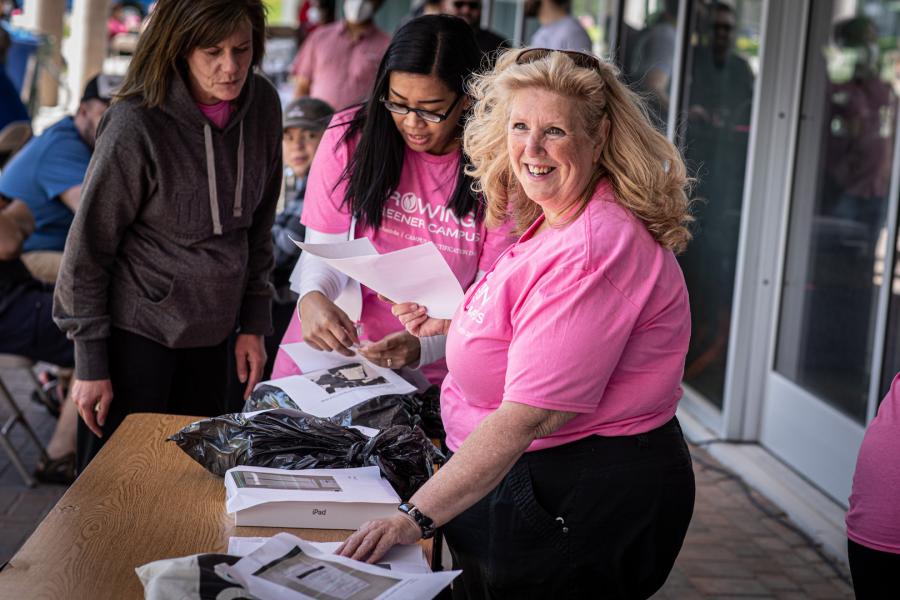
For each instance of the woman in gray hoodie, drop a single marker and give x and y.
(171, 246)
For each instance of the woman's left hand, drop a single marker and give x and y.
(374, 538)
(394, 350)
(250, 356)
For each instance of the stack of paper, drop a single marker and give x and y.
(289, 568)
(332, 383)
(406, 558)
(310, 498)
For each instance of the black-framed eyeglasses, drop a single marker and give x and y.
(425, 115)
(581, 59)
(472, 4)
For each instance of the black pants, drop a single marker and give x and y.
(876, 574)
(27, 329)
(603, 517)
(148, 377)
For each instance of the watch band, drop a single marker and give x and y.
(425, 524)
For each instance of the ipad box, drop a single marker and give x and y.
(308, 499)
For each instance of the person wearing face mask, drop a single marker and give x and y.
(171, 247)
(312, 15)
(393, 171)
(337, 62)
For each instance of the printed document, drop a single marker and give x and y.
(331, 383)
(289, 568)
(407, 558)
(416, 274)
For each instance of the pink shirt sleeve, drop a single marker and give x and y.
(305, 61)
(567, 339)
(323, 204)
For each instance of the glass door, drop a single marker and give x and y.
(829, 340)
(719, 83)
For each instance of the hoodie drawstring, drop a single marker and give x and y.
(238, 209)
(239, 186)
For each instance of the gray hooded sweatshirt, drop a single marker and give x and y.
(172, 239)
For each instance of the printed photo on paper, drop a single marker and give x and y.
(324, 580)
(346, 377)
(285, 481)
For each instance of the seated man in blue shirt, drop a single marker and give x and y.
(46, 175)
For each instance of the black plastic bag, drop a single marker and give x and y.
(291, 439)
(413, 410)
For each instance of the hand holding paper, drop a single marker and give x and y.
(417, 322)
(416, 274)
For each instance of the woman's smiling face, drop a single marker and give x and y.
(429, 93)
(551, 155)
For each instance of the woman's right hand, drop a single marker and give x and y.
(92, 399)
(417, 322)
(325, 326)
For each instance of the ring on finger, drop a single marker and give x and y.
(390, 362)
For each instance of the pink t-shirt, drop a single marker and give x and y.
(415, 213)
(592, 318)
(874, 516)
(218, 113)
(341, 71)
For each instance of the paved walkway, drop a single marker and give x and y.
(734, 549)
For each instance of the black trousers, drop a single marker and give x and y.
(603, 517)
(27, 328)
(149, 377)
(876, 574)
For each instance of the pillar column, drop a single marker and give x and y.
(46, 17)
(88, 26)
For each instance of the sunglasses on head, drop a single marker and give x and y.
(581, 59)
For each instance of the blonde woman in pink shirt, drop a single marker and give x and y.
(570, 476)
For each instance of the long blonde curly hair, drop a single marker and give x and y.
(646, 171)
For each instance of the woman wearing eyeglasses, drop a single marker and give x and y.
(570, 477)
(393, 171)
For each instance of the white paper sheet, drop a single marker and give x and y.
(415, 274)
(289, 568)
(405, 558)
(332, 383)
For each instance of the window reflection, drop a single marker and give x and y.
(716, 128)
(648, 50)
(835, 260)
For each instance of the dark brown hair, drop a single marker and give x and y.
(176, 28)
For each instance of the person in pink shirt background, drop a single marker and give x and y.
(570, 476)
(393, 171)
(338, 61)
(873, 521)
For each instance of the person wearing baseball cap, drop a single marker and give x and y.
(304, 121)
(47, 175)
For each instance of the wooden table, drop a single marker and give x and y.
(141, 499)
